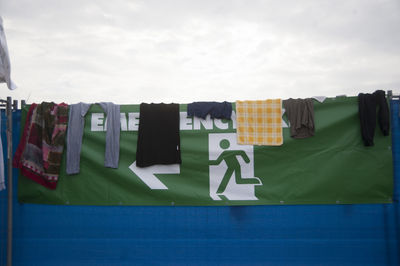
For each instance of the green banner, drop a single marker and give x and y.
(333, 167)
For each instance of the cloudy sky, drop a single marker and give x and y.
(190, 50)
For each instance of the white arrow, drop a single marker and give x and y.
(147, 174)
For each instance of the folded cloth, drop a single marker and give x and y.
(367, 104)
(300, 113)
(383, 112)
(111, 156)
(76, 124)
(39, 153)
(215, 109)
(158, 137)
(259, 122)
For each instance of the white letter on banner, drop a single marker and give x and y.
(124, 126)
(133, 121)
(207, 123)
(97, 122)
(233, 117)
(219, 124)
(185, 122)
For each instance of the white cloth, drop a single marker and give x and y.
(5, 67)
(2, 180)
(320, 99)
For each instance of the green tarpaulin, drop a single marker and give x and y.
(333, 167)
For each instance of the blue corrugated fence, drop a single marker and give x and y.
(244, 235)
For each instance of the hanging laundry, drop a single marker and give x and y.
(367, 104)
(113, 124)
(383, 112)
(39, 153)
(300, 113)
(5, 66)
(259, 122)
(76, 124)
(2, 176)
(158, 137)
(214, 109)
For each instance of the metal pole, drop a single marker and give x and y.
(10, 182)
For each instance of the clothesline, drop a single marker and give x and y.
(389, 94)
(258, 123)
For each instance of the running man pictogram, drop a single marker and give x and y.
(233, 166)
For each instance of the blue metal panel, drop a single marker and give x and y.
(3, 197)
(243, 235)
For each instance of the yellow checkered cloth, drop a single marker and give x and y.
(259, 122)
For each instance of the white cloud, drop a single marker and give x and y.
(187, 50)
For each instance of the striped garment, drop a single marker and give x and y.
(259, 122)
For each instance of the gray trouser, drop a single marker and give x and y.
(76, 124)
(113, 124)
